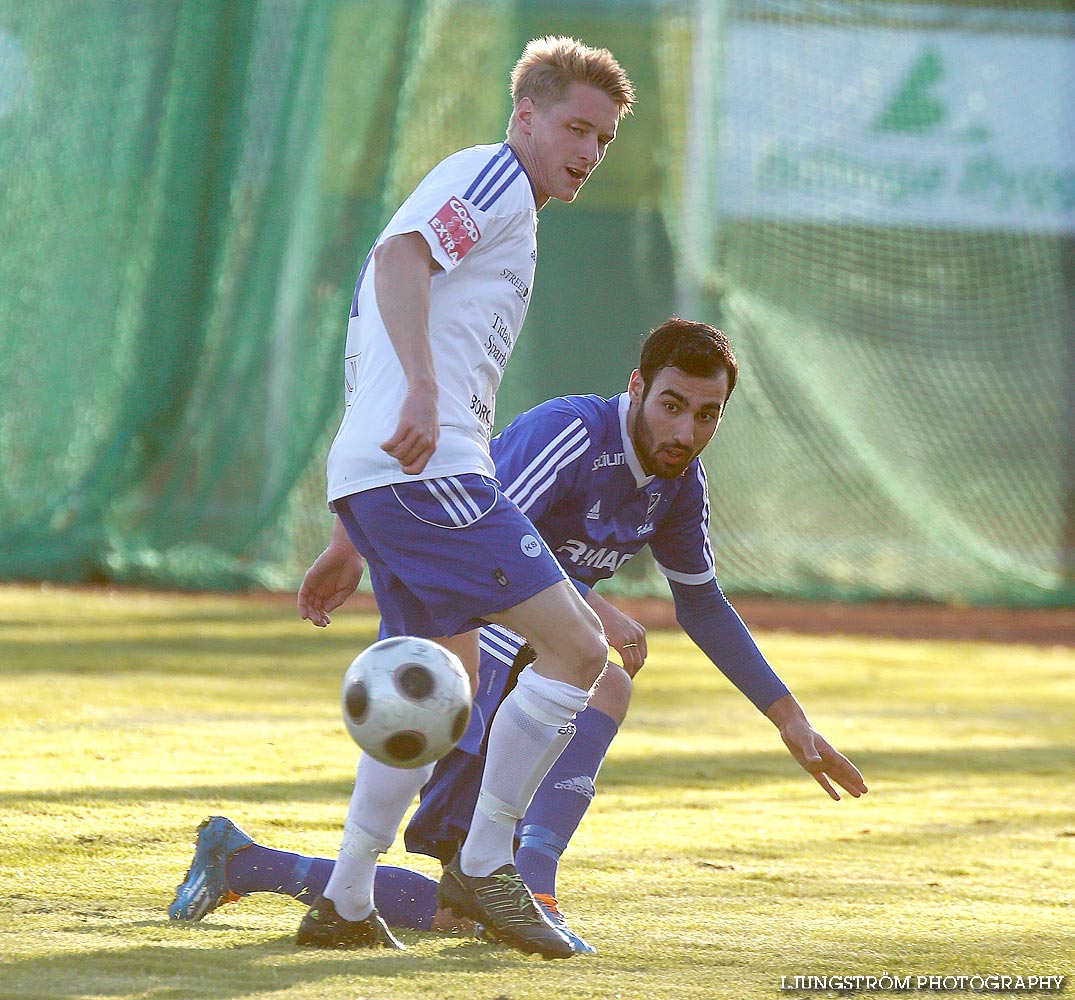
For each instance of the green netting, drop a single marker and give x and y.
(189, 189)
(905, 426)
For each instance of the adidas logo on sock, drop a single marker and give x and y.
(582, 785)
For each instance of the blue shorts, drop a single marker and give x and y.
(441, 822)
(442, 819)
(443, 554)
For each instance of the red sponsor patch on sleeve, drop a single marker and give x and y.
(456, 229)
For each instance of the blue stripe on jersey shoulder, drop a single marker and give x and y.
(495, 196)
(483, 192)
(482, 198)
(498, 155)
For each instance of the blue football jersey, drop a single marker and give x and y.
(571, 467)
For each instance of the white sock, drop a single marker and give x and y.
(529, 731)
(379, 800)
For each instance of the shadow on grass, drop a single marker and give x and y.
(227, 970)
(300, 790)
(720, 770)
(702, 770)
(143, 654)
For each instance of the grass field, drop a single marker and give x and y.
(709, 866)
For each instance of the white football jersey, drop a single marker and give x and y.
(476, 211)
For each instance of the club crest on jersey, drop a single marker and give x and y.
(457, 232)
(645, 529)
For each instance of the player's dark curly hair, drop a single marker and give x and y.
(695, 348)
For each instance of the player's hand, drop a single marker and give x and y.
(624, 634)
(819, 759)
(333, 577)
(417, 432)
(813, 752)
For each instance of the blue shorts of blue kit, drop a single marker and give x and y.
(443, 554)
(441, 822)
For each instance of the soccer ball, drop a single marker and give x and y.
(406, 701)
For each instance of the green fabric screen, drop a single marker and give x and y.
(189, 189)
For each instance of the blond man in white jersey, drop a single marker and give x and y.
(438, 307)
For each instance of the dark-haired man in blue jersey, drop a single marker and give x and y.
(601, 479)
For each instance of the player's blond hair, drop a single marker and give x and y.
(549, 65)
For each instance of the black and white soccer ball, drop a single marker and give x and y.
(406, 701)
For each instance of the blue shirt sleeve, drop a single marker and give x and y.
(714, 625)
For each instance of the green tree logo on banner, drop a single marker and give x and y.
(914, 107)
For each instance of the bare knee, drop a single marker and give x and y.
(593, 654)
(612, 695)
(577, 656)
(565, 633)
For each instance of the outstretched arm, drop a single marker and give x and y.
(706, 616)
(331, 579)
(713, 624)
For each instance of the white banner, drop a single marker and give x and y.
(897, 126)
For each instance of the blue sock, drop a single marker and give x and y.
(403, 897)
(264, 869)
(562, 800)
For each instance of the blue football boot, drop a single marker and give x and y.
(206, 885)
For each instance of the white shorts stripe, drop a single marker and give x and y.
(504, 633)
(464, 498)
(436, 487)
(508, 642)
(497, 654)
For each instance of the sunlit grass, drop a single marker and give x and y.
(709, 865)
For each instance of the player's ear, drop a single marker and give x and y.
(523, 114)
(636, 387)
